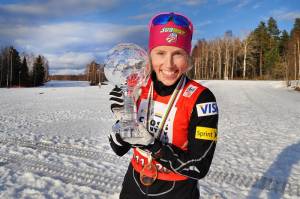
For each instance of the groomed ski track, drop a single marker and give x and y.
(111, 183)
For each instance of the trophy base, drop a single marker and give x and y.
(126, 131)
(129, 133)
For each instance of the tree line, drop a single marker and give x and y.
(79, 77)
(22, 70)
(95, 73)
(264, 53)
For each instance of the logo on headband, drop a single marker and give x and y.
(172, 30)
(171, 38)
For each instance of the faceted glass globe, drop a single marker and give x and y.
(124, 61)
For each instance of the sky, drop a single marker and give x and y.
(72, 33)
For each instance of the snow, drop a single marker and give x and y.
(53, 142)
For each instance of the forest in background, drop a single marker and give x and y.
(266, 53)
(22, 70)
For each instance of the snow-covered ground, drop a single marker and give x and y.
(53, 142)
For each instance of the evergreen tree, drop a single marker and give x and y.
(38, 72)
(2, 69)
(272, 59)
(14, 72)
(24, 75)
(12, 64)
(16, 66)
(294, 49)
(272, 56)
(273, 28)
(283, 43)
(5, 67)
(282, 69)
(261, 38)
(296, 26)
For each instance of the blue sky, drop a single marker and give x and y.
(71, 33)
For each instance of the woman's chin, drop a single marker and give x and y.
(169, 82)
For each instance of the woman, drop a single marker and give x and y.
(178, 119)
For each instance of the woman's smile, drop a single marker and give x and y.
(169, 63)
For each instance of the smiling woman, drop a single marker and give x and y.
(178, 119)
(169, 63)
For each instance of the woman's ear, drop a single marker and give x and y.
(190, 63)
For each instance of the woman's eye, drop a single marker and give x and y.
(160, 53)
(179, 54)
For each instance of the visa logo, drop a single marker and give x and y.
(205, 109)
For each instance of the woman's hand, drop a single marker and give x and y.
(117, 102)
(145, 138)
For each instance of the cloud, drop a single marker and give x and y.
(204, 23)
(58, 8)
(186, 2)
(71, 45)
(69, 35)
(257, 5)
(238, 3)
(24, 9)
(222, 2)
(74, 59)
(142, 16)
(242, 3)
(69, 63)
(283, 14)
(66, 71)
(194, 2)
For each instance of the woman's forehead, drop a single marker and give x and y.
(167, 49)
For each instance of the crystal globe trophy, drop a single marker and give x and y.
(124, 66)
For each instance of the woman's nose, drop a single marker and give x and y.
(169, 62)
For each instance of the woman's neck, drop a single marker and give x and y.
(162, 89)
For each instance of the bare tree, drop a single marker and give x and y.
(46, 68)
(219, 52)
(95, 73)
(298, 54)
(247, 51)
(245, 48)
(2, 69)
(213, 49)
(295, 61)
(193, 72)
(227, 57)
(206, 71)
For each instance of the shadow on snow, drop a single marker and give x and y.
(281, 168)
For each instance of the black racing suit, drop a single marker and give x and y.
(172, 157)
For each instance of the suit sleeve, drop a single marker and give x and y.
(117, 146)
(202, 137)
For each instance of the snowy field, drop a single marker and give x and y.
(53, 142)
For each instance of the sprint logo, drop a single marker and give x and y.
(205, 133)
(205, 109)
